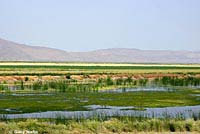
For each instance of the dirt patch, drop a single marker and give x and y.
(12, 79)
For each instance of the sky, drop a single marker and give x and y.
(84, 25)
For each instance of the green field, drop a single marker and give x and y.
(20, 68)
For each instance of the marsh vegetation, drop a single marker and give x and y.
(134, 98)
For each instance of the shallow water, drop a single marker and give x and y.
(16, 87)
(31, 94)
(194, 87)
(109, 111)
(137, 89)
(198, 95)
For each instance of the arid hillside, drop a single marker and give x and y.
(11, 51)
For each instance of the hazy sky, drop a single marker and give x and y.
(81, 25)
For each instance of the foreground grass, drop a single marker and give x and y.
(113, 125)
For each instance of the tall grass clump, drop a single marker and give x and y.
(3, 87)
(109, 125)
(175, 81)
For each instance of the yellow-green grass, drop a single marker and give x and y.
(110, 126)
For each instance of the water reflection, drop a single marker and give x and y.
(110, 111)
(137, 89)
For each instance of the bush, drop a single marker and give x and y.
(26, 79)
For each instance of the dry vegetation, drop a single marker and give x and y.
(150, 126)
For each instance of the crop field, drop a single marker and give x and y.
(20, 68)
(80, 97)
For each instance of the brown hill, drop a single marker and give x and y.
(10, 51)
(20, 52)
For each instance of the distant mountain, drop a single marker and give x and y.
(10, 51)
(20, 52)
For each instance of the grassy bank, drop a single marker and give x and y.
(113, 125)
